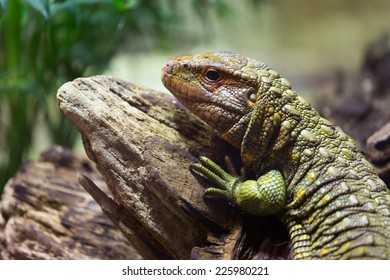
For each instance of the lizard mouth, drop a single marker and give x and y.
(194, 97)
(189, 91)
(182, 88)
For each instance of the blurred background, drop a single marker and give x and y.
(327, 49)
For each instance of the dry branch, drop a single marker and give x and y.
(143, 142)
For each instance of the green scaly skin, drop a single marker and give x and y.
(310, 173)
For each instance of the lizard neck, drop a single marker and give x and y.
(277, 130)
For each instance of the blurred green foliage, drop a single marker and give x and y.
(44, 43)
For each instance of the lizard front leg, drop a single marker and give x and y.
(262, 197)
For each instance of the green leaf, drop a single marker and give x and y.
(125, 4)
(3, 3)
(41, 6)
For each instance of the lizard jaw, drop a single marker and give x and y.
(199, 101)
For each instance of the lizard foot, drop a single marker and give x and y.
(261, 197)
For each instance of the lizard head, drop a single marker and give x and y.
(220, 87)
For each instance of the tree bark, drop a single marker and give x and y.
(143, 143)
(45, 214)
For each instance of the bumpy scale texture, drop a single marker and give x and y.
(266, 196)
(327, 194)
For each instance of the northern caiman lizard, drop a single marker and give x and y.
(309, 173)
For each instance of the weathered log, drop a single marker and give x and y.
(45, 214)
(143, 142)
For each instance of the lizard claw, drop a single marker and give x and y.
(265, 196)
(225, 183)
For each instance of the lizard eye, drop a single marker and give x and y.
(252, 97)
(212, 75)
